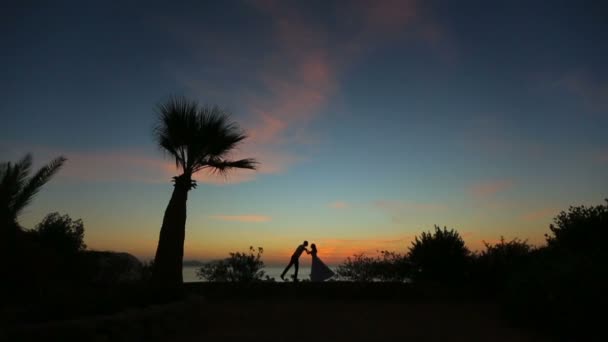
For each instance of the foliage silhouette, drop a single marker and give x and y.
(18, 187)
(61, 233)
(580, 231)
(498, 262)
(17, 190)
(561, 283)
(198, 138)
(239, 267)
(388, 266)
(440, 256)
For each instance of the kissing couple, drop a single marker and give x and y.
(318, 270)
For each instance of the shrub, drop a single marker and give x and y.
(358, 268)
(388, 266)
(564, 283)
(580, 231)
(439, 256)
(61, 234)
(239, 267)
(497, 264)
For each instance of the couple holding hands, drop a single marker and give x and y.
(318, 270)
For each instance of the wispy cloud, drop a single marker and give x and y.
(494, 134)
(398, 209)
(134, 165)
(592, 92)
(540, 214)
(284, 90)
(242, 218)
(398, 205)
(339, 205)
(127, 164)
(486, 189)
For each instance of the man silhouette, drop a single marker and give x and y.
(295, 260)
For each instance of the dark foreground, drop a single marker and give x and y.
(292, 312)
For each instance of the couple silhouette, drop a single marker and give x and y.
(318, 270)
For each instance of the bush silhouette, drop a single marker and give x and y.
(239, 267)
(562, 282)
(388, 266)
(580, 231)
(440, 256)
(359, 267)
(61, 234)
(499, 262)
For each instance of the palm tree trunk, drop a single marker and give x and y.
(167, 270)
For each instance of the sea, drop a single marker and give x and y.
(189, 273)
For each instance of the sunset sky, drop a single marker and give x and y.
(372, 120)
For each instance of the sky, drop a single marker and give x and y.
(372, 120)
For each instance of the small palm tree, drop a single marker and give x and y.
(198, 138)
(17, 190)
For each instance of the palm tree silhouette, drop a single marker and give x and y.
(198, 138)
(17, 190)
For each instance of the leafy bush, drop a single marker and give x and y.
(439, 256)
(496, 265)
(388, 266)
(358, 268)
(61, 234)
(239, 267)
(564, 283)
(581, 230)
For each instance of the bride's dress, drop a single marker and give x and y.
(318, 270)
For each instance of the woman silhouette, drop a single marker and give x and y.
(318, 270)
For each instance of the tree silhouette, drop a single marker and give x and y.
(499, 262)
(18, 187)
(61, 233)
(198, 138)
(580, 230)
(439, 256)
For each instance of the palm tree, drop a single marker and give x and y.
(198, 138)
(17, 190)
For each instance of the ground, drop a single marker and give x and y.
(293, 312)
(361, 320)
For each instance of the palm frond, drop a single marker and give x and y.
(33, 185)
(13, 179)
(177, 116)
(223, 166)
(198, 137)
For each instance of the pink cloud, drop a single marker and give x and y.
(243, 218)
(398, 208)
(489, 133)
(339, 205)
(485, 189)
(141, 165)
(105, 165)
(593, 93)
(294, 80)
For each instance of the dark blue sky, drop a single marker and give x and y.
(373, 120)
